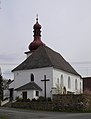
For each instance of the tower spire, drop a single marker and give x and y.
(37, 28)
(37, 36)
(36, 18)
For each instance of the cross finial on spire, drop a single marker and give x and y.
(36, 17)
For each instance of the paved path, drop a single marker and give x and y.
(12, 113)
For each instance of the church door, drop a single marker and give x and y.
(11, 94)
(24, 94)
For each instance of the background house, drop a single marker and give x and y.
(6, 92)
(87, 83)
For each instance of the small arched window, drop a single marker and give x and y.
(57, 80)
(62, 83)
(69, 82)
(80, 86)
(75, 84)
(32, 77)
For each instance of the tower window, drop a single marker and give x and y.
(32, 77)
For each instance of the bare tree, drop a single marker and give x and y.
(1, 87)
(59, 88)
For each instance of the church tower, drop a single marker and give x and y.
(37, 38)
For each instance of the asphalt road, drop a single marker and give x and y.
(12, 113)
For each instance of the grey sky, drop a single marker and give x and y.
(66, 28)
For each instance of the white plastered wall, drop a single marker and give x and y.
(57, 75)
(30, 94)
(23, 77)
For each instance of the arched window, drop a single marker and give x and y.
(62, 80)
(32, 77)
(64, 90)
(80, 87)
(75, 84)
(69, 82)
(57, 80)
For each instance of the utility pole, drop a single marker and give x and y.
(45, 80)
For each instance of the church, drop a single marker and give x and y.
(44, 72)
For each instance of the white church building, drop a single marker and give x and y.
(43, 63)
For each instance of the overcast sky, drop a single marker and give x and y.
(66, 28)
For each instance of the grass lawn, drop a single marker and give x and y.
(3, 117)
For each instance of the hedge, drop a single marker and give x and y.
(69, 102)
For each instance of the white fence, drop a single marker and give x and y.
(4, 102)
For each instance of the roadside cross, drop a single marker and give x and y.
(45, 80)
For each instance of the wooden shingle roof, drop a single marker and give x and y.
(46, 57)
(29, 86)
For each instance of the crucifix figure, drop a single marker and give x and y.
(45, 80)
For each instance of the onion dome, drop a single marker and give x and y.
(37, 37)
